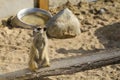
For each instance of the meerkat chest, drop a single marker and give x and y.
(39, 42)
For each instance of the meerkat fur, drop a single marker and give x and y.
(39, 49)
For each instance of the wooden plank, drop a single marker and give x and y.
(68, 65)
(44, 4)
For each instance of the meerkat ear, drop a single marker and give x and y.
(35, 30)
(45, 28)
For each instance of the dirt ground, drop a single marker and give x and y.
(100, 26)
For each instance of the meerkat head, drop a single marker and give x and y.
(39, 30)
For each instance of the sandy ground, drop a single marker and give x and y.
(100, 25)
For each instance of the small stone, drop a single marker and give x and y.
(80, 17)
(102, 11)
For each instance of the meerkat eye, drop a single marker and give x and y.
(45, 29)
(38, 29)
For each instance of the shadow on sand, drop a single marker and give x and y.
(108, 35)
(64, 51)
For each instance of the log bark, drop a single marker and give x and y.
(68, 65)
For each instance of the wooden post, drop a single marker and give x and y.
(43, 4)
(36, 3)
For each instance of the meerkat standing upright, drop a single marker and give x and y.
(39, 49)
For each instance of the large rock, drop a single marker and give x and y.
(63, 25)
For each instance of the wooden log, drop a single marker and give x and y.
(68, 65)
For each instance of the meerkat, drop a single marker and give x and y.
(39, 49)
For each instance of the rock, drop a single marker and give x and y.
(63, 25)
(102, 10)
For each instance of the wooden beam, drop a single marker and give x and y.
(68, 65)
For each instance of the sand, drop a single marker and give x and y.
(100, 25)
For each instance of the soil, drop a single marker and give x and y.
(100, 25)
